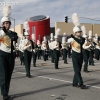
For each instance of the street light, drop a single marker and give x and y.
(14, 23)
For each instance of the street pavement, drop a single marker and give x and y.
(48, 83)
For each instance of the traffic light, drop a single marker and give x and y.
(66, 19)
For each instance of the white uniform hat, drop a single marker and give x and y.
(57, 33)
(90, 34)
(33, 37)
(21, 36)
(63, 39)
(96, 37)
(26, 33)
(26, 27)
(84, 31)
(76, 22)
(56, 37)
(51, 36)
(45, 39)
(76, 29)
(64, 35)
(51, 39)
(6, 13)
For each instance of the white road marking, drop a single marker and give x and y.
(57, 79)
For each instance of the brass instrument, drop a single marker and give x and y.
(76, 45)
(6, 40)
(92, 46)
(45, 46)
(88, 43)
(64, 44)
(57, 44)
(27, 43)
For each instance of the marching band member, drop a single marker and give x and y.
(17, 50)
(65, 48)
(27, 48)
(6, 52)
(39, 49)
(51, 48)
(21, 52)
(86, 49)
(97, 47)
(49, 55)
(45, 49)
(77, 58)
(56, 48)
(95, 38)
(14, 50)
(34, 53)
(62, 49)
(42, 49)
(69, 50)
(91, 54)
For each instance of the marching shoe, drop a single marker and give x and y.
(65, 63)
(56, 68)
(6, 97)
(83, 86)
(86, 71)
(75, 85)
(26, 75)
(89, 63)
(29, 76)
(34, 65)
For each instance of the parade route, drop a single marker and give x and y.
(50, 50)
(49, 78)
(48, 83)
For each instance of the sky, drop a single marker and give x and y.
(56, 9)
